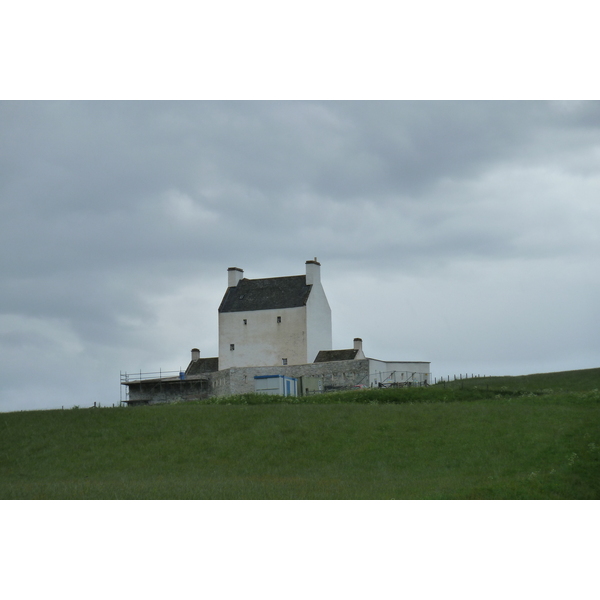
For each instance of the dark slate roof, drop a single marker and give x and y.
(266, 294)
(331, 355)
(202, 365)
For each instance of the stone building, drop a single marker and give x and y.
(275, 328)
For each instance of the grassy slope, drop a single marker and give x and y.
(492, 438)
(572, 381)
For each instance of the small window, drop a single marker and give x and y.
(245, 321)
(284, 361)
(279, 319)
(232, 346)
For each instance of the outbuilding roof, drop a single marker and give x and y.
(203, 365)
(266, 294)
(333, 355)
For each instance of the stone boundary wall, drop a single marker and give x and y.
(335, 375)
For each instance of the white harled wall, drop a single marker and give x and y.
(398, 372)
(318, 322)
(262, 341)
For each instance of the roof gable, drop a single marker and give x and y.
(266, 294)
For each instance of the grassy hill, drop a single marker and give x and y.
(572, 381)
(534, 437)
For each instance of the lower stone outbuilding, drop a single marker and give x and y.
(332, 370)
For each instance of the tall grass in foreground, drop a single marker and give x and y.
(481, 441)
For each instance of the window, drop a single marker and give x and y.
(232, 346)
(284, 361)
(279, 319)
(245, 321)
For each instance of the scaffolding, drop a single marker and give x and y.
(162, 387)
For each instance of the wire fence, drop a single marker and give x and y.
(459, 377)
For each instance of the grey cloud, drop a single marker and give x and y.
(115, 217)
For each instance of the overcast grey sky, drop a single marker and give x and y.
(461, 233)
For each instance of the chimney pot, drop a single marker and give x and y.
(195, 354)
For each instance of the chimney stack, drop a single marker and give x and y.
(313, 272)
(195, 354)
(234, 274)
(358, 346)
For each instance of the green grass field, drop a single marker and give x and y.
(534, 437)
